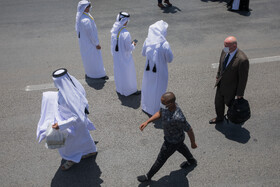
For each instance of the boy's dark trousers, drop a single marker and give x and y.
(166, 151)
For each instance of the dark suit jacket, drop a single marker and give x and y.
(233, 80)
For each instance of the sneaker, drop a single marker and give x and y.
(143, 178)
(190, 162)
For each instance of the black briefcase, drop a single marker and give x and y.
(239, 111)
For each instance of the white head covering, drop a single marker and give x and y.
(157, 33)
(82, 5)
(71, 95)
(121, 19)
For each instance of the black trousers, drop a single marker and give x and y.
(166, 151)
(220, 102)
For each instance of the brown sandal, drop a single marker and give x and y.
(88, 155)
(67, 165)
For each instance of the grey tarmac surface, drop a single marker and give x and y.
(37, 37)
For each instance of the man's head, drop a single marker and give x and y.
(168, 99)
(230, 44)
(88, 8)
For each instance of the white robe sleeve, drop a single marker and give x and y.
(91, 31)
(67, 123)
(144, 49)
(127, 42)
(168, 53)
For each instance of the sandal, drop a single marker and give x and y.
(88, 155)
(67, 165)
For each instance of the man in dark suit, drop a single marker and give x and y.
(231, 78)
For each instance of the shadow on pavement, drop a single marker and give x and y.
(172, 10)
(132, 101)
(86, 173)
(176, 178)
(234, 132)
(97, 84)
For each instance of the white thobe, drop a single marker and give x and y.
(79, 141)
(88, 40)
(154, 84)
(235, 4)
(124, 70)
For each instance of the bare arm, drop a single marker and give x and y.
(192, 138)
(153, 118)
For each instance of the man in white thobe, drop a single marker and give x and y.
(88, 40)
(67, 110)
(121, 49)
(155, 78)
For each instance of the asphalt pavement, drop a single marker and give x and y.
(38, 36)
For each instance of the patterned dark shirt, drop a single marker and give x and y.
(174, 124)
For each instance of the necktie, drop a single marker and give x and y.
(225, 62)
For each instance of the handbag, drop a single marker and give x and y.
(239, 111)
(55, 138)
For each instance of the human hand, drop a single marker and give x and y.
(55, 126)
(193, 145)
(143, 125)
(98, 47)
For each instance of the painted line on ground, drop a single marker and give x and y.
(257, 60)
(51, 85)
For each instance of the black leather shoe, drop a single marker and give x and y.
(143, 178)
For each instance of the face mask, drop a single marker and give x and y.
(163, 106)
(226, 49)
(90, 8)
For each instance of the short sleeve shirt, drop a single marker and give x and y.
(174, 124)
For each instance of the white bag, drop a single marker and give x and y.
(55, 138)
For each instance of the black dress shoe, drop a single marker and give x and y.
(143, 178)
(215, 121)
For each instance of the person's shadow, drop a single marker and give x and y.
(234, 132)
(171, 9)
(132, 101)
(86, 173)
(174, 179)
(97, 84)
